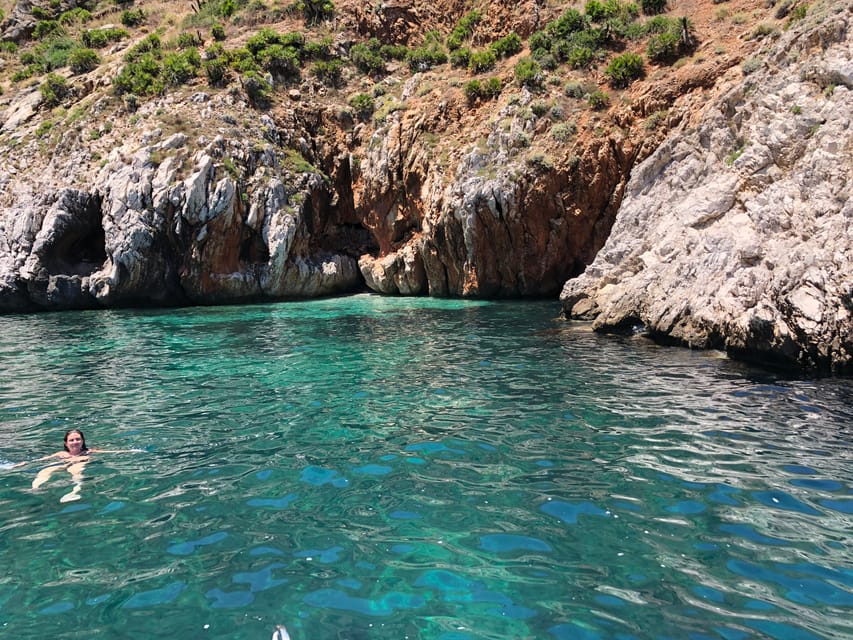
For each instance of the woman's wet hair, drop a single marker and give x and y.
(68, 433)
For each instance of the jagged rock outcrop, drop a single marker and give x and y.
(20, 23)
(164, 223)
(736, 232)
(507, 222)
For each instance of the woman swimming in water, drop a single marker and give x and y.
(73, 459)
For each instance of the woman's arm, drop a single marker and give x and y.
(58, 454)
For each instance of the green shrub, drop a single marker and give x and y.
(140, 76)
(318, 49)
(261, 40)
(663, 47)
(366, 57)
(623, 69)
(574, 89)
(548, 61)
(562, 132)
(30, 57)
(149, 44)
(45, 29)
(393, 51)
(132, 17)
(212, 11)
(188, 39)
(751, 65)
(492, 87)
(44, 128)
(593, 38)
(660, 24)
(257, 89)
(40, 13)
(77, 15)
(763, 29)
(242, 60)
(539, 108)
(181, 67)
(539, 43)
(796, 14)
(268, 45)
(328, 71)
(216, 70)
(280, 60)
(55, 52)
(598, 99)
(482, 61)
(653, 7)
(655, 120)
(100, 38)
(23, 73)
(83, 60)
(429, 55)
(475, 89)
(460, 57)
(528, 72)
(507, 46)
(315, 11)
(570, 22)
(54, 90)
(363, 104)
(463, 30)
(226, 8)
(670, 40)
(472, 89)
(217, 31)
(540, 161)
(600, 11)
(580, 57)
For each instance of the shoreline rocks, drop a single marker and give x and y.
(738, 233)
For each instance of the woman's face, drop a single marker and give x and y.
(74, 442)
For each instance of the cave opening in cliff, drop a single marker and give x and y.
(253, 249)
(80, 246)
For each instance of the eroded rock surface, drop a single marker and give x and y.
(736, 233)
(169, 222)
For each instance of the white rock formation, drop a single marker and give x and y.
(738, 233)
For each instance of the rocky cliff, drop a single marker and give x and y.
(267, 180)
(736, 233)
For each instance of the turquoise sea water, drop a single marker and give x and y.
(385, 468)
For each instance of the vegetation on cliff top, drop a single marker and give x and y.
(125, 53)
(222, 41)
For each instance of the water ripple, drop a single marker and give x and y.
(435, 469)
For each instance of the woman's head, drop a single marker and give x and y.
(75, 435)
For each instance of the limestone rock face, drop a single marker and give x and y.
(506, 222)
(736, 233)
(166, 224)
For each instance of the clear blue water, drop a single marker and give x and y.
(371, 467)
